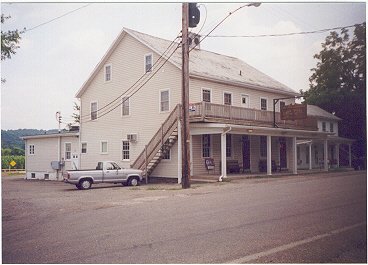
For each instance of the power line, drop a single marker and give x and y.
(49, 21)
(284, 34)
(132, 86)
(151, 76)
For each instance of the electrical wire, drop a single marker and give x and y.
(49, 21)
(158, 61)
(151, 76)
(283, 34)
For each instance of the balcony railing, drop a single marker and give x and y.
(209, 112)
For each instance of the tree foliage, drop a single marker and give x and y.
(9, 40)
(338, 83)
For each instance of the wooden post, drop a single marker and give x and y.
(146, 162)
(185, 98)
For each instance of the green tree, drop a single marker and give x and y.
(5, 151)
(338, 83)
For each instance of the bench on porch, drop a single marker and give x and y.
(232, 166)
(262, 166)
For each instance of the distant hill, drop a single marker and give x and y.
(11, 138)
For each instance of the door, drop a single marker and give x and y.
(246, 152)
(75, 161)
(245, 101)
(111, 172)
(283, 162)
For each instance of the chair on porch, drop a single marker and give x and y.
(210, 165)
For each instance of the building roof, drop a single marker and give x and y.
(316, 111)
(51, 135)
(203, 64)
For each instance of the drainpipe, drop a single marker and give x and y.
(223, 154)
(59, 156)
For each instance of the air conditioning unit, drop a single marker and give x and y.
(132, 137)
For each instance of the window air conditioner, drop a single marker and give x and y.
(132, 137)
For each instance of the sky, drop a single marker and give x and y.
(56, 58)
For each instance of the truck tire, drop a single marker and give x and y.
(85, 184)
(133, 181)
(78, 186)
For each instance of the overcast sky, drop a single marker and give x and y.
(55, 59)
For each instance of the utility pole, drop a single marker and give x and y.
(185, 99)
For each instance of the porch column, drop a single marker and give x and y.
(180, 154)
(325, 154)
(337, 155)
(223, 157)
(310, 156)
(349, 155)
(269, 162)
(295, 159)
(191, 154)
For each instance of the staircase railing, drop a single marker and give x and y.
(158, 140)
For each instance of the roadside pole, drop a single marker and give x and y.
(185, 99)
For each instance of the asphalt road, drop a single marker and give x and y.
(299, 219)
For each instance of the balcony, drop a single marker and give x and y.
(209, 112)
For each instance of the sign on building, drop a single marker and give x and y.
(294, 112)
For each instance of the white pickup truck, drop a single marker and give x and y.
(105, 172)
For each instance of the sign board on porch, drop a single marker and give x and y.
(294, 112)
(210, 163)
(192, 107)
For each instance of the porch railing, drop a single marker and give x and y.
(209, 112)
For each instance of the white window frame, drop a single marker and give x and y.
(159, 103)
(144, 63)
(122, 106)
(65, 151)
(82, 147)
(260, 103)
(223, 98)
(241, 100)
(107, 147)
(209, 89)
(122, 150)
(90, 110)
(210, 151)
(105, 66)
(33, 149)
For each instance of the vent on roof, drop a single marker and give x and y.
(194, 41)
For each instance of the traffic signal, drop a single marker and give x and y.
(194, 15)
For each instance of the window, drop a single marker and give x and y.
(112, 166)
(126, 150)
(84, 148)
(206, 95)
(148, 63)
(46, 176)
(33, 175)
(164, 100)
(263, 103)
(103, 147)
(331, 127)
(125, 106)
(68, 151)
(263, 146)
(228, 145)
(206, 145)
(323, 126)
(94, 110)
(227, 98)
(107, 72)
(244, 101)
(31, 149)
(167, 155)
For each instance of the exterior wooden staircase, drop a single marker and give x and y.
(160, 144)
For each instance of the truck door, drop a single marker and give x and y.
(110, 173)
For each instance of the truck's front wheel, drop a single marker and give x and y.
(133, 181)
(85, 184)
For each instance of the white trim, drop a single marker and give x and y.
(223, 97)
(107, 147)
(90, 110)
(144, 63)
(81, 144)
(159, 102)
(260, 103)
(104, 78)
(241, 100)
(121, 109)
(69, 151)
(205, 88)
(211, 140)
(122, 159)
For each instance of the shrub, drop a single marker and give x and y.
(5, 160)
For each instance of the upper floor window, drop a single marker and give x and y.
(148, 63)
(323, 126)
(331, 127)
(31, 149)
(125, 106)
(164, 100)
(68, 151)
(206, 145)
(263, 146)
(227, 98)
(103, 147)
(206, 95)
(107, 72)
(84, 148)
(126, 150)
(245, 101)
(94, 110)
(263, 103)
